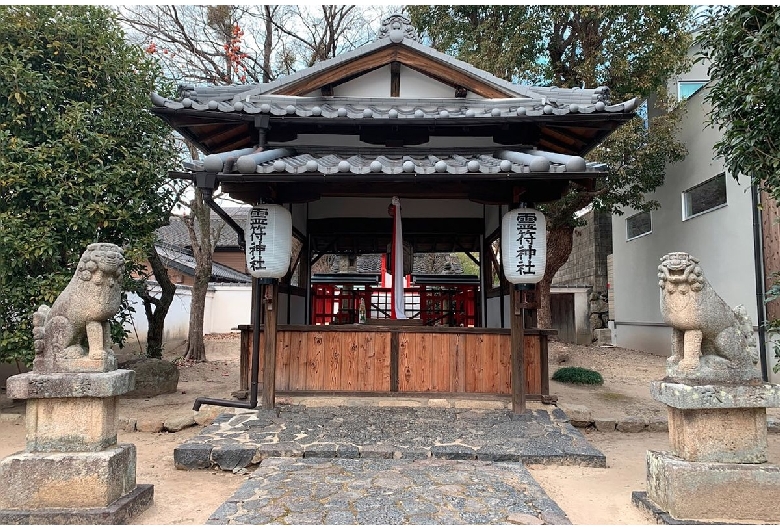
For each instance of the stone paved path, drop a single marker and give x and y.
(388, 465)
(238, 440)
(373, 491)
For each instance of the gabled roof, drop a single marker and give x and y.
(226, 118)
(397, 41)
(181, 260)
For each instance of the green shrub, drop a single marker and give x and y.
(575, 374)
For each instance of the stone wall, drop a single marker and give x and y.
(587, 264)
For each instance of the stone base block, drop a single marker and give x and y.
(71, 424)
(713, 491)
(715, 396)
(34, 385)
(735, 436)
(36, 481)
(121, 511)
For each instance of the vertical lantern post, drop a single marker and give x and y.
(523, 257)
(268, 252)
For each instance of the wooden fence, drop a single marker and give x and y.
(383, 359)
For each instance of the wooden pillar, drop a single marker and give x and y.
(517, 356)
(269, 353)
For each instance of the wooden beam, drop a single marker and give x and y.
(269, 352)
(517, 376)
(395, 79)
(394, 361)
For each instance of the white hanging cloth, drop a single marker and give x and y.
(397, 311)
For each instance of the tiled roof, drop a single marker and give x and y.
(180, 259)
(175, 232)
(410, 160)
(550, 101)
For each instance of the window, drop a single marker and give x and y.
(708, 195)
(685, 89)
(638, 225)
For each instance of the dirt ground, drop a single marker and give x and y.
(587, 495)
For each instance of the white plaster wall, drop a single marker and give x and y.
(349, 141)
(177, 321)
(377, 208)
(227, 306)
(417, 85)
(722, 239)
(374, 84)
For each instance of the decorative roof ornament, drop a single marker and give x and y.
(397, 28)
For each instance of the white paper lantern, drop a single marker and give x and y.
(524, 245)
(268, 241)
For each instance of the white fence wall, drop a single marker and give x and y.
(227, 305)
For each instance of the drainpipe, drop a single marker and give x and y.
(758, 260)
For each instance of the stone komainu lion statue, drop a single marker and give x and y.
(74, 334)
(710, 341)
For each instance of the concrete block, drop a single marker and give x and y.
(713, 491)
(603, 337)
(719, 435)
(603, 425)
(71, 424)
(66, 480)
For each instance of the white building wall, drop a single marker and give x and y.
(722, 239)
(227, 305)
(374, 84)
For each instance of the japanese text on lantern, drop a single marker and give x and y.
(526, 235)
(258, 223)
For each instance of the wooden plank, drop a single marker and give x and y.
(269, 357)
(531, 365)
(283, 359)
(333, 352)
(350, 359)
(394, 360)
(297, 360)
(473, 375)
(490, 347)
(406, 353)
(245, 359)
(517, 355)
(382, 364)
(315, 358)
(440, 362)
(424, 362)
(458, 367)
(505, 364)
(544, 364)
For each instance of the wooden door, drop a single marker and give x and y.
(562, 315)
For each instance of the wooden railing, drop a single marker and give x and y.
(384, 359)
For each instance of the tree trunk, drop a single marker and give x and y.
(559, 245)
(202, 251)
(268, 43)
(157, 308)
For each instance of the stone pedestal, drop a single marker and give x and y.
(717, 468)
(713, 491)
(73, 471)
